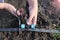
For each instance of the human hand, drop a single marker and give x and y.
(32, 19)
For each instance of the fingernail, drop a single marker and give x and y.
(28, 23)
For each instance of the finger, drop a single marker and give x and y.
(29, 21)
(18, 12)
(35, 20)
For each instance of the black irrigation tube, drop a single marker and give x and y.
(32, 30)
(8, 29)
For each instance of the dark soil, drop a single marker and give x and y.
(46, 19)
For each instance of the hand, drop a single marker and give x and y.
(32, 19)
(33, 10)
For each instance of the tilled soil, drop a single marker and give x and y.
(6, 21)
(25, 36)
(45, 20)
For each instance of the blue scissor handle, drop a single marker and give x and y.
(33, 26)
(22, 26)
